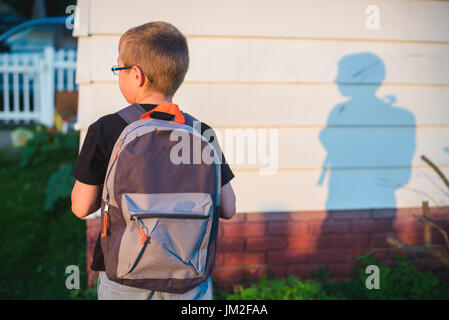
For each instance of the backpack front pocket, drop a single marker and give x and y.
(167, 235)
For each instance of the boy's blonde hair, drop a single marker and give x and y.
(161, 51)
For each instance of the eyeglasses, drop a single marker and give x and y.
(116, 70)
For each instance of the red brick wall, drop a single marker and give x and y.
(282, 243)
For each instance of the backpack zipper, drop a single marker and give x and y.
(106, 218)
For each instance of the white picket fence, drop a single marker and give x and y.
(28, 82)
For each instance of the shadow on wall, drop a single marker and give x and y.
(370, 144)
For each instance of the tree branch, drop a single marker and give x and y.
(433, 250)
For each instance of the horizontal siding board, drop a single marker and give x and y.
(351, 189)
(399, 20)
(345, 148)
(274, 106)
(302, 147)
(289, 61)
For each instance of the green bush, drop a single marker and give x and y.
(37, 247)
(292, 288)
(401, 281)
(59, 186)
(46, 145)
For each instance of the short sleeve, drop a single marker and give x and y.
(226, 173)
(90, 167)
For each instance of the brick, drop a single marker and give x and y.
(308, 241)
(403, 213)
(438, 238)
(349, 214)
(243, 258)
(248, 229)
(91, 277)
(330, 255)
(265, 243)
(381, 225)
(308, 215)
(340, 269)
(278, 271)
(287, 256)
(304, 270)
(264, 216)
(384, 213)
(237, 218)
(256, 272)
(348, 240)
(228, 274)
(441, 222)
(414, 238)
(439, 212)
(220, 234)
(286, 228)
(407, 225)
(93, 223)
(379, 240)
(219, 259)
(328, 226)
(230, 244)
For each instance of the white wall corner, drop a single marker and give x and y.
(82, 18)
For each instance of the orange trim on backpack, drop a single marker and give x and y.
(105, 225)
(167, 107)
(116, 154)
(143, 237)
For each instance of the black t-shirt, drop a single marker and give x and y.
(93, 160)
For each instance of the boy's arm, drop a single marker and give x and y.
(227, 202)
(86, 199)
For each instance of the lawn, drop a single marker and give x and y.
(38, 245)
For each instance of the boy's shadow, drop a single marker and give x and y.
(370, 145)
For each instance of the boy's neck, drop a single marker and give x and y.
(152, 98)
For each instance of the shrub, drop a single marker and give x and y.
(402, 280)
(292, 288)
(46, 145)
(59, 186)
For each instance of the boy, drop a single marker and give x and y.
(152, 62)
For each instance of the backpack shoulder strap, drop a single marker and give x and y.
(131, 113)
(190, 121)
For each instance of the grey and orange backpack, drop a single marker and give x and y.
(160, 215)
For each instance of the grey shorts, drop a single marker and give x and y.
(110, 290)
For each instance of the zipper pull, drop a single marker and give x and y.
(106, 206)
(106, 218)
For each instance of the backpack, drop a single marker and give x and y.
(159, 216)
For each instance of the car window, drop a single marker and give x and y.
(32, 38)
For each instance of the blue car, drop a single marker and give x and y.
(35, 35)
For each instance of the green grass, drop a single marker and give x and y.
(37, 246)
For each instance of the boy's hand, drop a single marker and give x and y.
(86, 199)
(227, 202)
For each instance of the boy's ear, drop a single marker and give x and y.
(140, 76)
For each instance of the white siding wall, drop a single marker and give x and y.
(250, 59)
